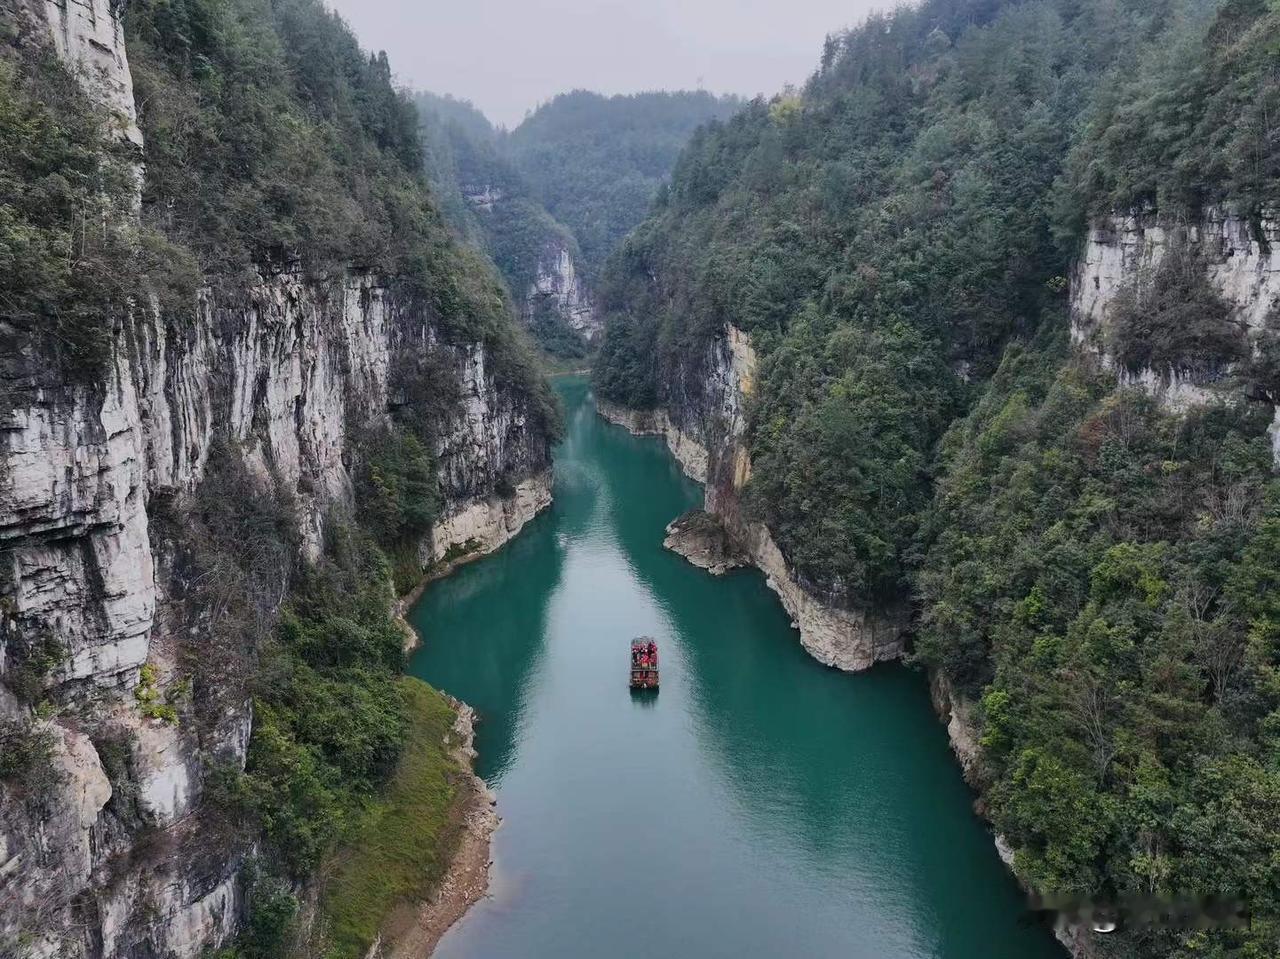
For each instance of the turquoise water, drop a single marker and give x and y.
(760, 804)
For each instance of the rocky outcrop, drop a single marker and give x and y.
(557, 286)
(117, 855)
(703, 419)
(482, 524)
(702, 539)
(1242, 263)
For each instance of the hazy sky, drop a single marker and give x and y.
(509, 55)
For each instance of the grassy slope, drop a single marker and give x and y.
(401, 850)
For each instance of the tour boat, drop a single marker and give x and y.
(644, 663)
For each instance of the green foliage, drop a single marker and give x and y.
(271, 134)
(26, 753)
(274, 140)
(886, 231)
(844, 420)
(553, 334)
(397, 489)
(329, 717)
(1095, 569)
(596, 163)
(1191, 125)
(465, 158)
(401, 847)
(1100, 575)
(271, 919)
(626, 368)
(32, 663)
(151, 703)
(72, 262)
(270, 929)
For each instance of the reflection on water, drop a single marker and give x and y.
(759, 805)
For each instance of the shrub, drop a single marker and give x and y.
(397, 492)
(26, 754)
(1172, 319)
(329, 717)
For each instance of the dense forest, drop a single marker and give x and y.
(1097, 572)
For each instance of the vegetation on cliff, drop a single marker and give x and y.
(71, 258)
(274, 141)
(1099, 573)
(1095, 571)
(491, 205)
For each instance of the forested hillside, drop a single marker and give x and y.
(551, 199)
(597, 162)
(1090, 560)
(492, 206)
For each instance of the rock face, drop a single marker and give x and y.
(289, 371)
(558, 286)
(702, 539)
(703, 419)
(1242, 260)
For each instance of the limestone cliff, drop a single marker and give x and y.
(1241, 258)
(556, 285)
(119, 856)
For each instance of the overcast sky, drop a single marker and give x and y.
(507, 56)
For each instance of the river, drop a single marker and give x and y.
(760, 804)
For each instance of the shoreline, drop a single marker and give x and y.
(503, 519)
(413, 929)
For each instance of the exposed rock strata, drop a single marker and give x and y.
(1242, 261)
(289, 371)
(557, 284)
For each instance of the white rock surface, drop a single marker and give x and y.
(1243, 265)
(485, 523)
(557, 283)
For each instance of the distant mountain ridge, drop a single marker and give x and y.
(551, 199)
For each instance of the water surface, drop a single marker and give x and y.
(760, 804)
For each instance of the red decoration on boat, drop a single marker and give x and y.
(644, 663)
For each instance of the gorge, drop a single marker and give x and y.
(972, 343)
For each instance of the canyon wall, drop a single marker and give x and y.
(557, 285)
(119, 855)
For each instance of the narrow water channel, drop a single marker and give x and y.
(760, 805)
